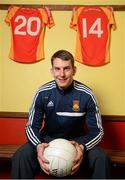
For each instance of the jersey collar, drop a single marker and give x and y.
(65, 91)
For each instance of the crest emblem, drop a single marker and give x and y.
(75, 105)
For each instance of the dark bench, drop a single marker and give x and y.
(116, 156)
(7, 150)
(117, 159)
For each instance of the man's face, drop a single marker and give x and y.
(63, 72)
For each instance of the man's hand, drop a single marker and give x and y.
(79, 156)
(42, 161)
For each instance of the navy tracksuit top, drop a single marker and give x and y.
(72, 114)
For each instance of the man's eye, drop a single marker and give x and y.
(56, 69)
(67, 68)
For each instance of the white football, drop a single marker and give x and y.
(60, 153)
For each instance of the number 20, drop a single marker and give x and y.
(92, 29)
(27, 23)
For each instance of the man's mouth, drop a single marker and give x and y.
(62, 80)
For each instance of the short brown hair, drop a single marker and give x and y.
(64, 55)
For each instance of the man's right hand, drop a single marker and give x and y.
(42, 161)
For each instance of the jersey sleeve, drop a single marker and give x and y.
(73, 22)
(35, 120)
(10, 13)
(112, 20)
(47, 17)
(94, 129)
(110, 14)
(74, 18)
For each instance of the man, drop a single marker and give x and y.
(66, 106)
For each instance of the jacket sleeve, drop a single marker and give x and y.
(35, 120)
(93, 123)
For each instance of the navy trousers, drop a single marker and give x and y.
(96, 164)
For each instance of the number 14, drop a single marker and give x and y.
(94, 29)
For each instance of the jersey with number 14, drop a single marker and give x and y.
(93, 26)
(28, 30)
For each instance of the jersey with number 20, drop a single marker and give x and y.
(28, 30)
(93, 26)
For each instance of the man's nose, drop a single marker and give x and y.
(62, 73)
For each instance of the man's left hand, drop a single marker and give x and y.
(79, 156)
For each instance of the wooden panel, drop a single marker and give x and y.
(61, 7)
(118, 118)
(116, 156)
(6, 151)
(13, 114)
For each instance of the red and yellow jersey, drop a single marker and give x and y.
(28, 27)
(93, 26)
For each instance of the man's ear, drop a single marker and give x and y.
(74, 70)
